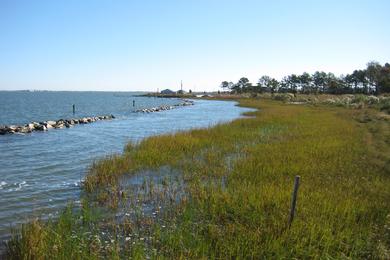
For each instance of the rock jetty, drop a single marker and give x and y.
(46, 125)
(166, 107)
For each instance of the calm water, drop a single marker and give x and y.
(41, 172)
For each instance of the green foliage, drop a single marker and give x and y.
(375, 79)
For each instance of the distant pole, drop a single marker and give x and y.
(133, 103)
(74, 109)
(294, 200)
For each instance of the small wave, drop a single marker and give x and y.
(66, 184)
(2, 184)
(16, 186)
(20, 185)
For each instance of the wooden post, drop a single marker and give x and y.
(133, 103)
(74, 109)
(294, 200)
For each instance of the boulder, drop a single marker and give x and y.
(12, 127)
(24, 130)
(40, 128)
(30, 126)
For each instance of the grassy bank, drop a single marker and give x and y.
(236, 182)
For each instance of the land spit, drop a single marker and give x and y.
(46, 125)
(185, 102)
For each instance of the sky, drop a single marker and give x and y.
(114, 45)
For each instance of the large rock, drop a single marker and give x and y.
(52, 123)
(3, 130)
(24, 130)
(13, 127)
(30, 126)
(40, 128)
(67, 125)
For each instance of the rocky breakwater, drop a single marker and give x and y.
(185, 102)
(46, 125)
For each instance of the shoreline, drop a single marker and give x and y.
(183, 119)
(247, 144)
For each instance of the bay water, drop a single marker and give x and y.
(41, 172)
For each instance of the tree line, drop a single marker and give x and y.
(374, 79)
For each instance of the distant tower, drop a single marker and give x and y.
(181, 86)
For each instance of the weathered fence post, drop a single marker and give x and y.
(294, 200)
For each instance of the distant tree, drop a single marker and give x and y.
(352, 81)
(242, 81)
(284, 85)
(264, 83)
(241, 85)
(292, 82)
(373, 73)
(319, 81)
(374, 79)
(274, 85)
(305, 82)
(224, 85)
(334, 85)
(268, 84)
(190, 91)
(362, 81)
(384, 79)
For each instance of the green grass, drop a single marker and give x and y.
(238, 182)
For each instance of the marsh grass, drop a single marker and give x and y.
(237, 179)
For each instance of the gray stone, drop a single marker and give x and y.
(40, 128)
(13, 127)
(30, 126)
(25, 129)
(3, 131)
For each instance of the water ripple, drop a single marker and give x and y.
(41, 172)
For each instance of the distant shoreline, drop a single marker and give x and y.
(167, 95)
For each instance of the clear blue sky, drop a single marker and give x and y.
(145, 45)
